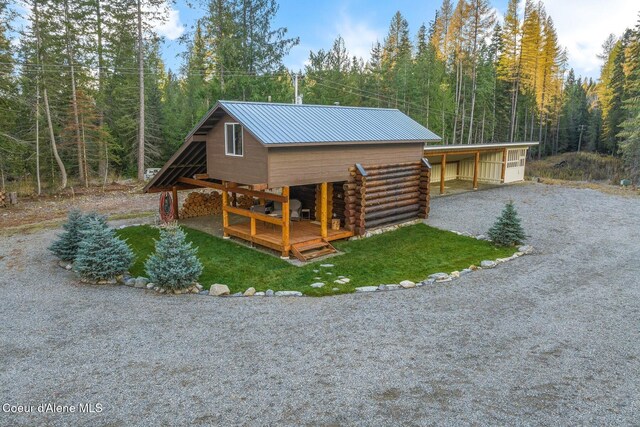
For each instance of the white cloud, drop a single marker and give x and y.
(359, 37)
(171, 27)
(583, 27)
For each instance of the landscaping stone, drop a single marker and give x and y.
(340, 277)
(259, 294)
(178, 291)
(269, 293)
(316, 271)
(488, 264)
(203, 292)
(342, 281)
(525, 249)
(473, 267)
(407, 284)
(250, 292)
(237, 294)
(439, 276)
(68, 267)
(288, 294)
(317, 278)
(455, 274)
(162, 291)
(335, 289)
(427, 282)
(392, 287)
(151, 285)
(141, 282)
(482, 237)
(217, 290)
(199, 286)
(326, 265)
(317, 285)
(367, 289)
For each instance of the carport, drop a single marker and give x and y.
(494, 163)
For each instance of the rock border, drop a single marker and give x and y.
(220, 290)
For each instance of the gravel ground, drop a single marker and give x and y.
(548, 339)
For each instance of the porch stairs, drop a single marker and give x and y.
(311, 249)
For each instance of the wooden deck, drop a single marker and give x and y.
(270, 235)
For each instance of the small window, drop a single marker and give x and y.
(233, 139)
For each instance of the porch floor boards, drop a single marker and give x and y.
(270, 235)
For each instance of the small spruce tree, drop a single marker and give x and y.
(174, 264)
(507, 230)
(66, 247)
(101, 254)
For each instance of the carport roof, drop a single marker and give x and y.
(440, 149)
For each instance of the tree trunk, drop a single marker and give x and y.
(38, 137)
(141, 124)
(54, 149)
(74, 100)
(102, 149)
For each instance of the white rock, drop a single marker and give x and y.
(407, 284)
(258, 294)
(317, 285)
(316, 271)
(367, 289)
(288, 294)
(525, 249)
(439, 276)
(250, 292)
(335, 289)
(488, 264)
(455, 274)
(317, 278)
(326, 265)
(199, 286)
(151, 285)
(391, 287)
(217, 290)
(340, 277)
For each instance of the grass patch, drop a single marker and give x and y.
(410, 253)
(578, 167)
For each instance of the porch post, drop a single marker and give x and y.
(285, 223)
(443, 171)
(174, 201)
(323, 210)
(504, 164)
(225, 214)
(476, 164)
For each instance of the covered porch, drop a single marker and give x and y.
(304, 237)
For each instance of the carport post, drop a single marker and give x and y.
(174, 201)
(476, 164)
(443, 171)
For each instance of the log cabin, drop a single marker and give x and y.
(318, 173)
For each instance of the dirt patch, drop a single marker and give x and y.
(116, 201)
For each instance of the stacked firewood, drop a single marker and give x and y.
(380, 195)
(245, 202)
(201, 204)
(7, 199)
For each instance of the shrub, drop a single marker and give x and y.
(174, 264)
(101, 254)
(66, 247)
(507, 230)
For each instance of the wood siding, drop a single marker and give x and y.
(490, 168)
(309, 165)
(251, 168)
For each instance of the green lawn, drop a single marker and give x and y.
(411, 253)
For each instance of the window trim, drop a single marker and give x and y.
(226, 143)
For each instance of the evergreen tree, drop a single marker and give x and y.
(174, 264)
(66, 246)
(101, 254)
(507, 230)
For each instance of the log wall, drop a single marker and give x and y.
(380, 195)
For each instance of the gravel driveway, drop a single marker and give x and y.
(548, 339)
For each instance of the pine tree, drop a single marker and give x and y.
(507, 230)
(66, 247)
(101, 254)
(174, 264)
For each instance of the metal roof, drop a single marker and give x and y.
(274, 124)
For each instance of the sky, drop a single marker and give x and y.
(582, 26)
